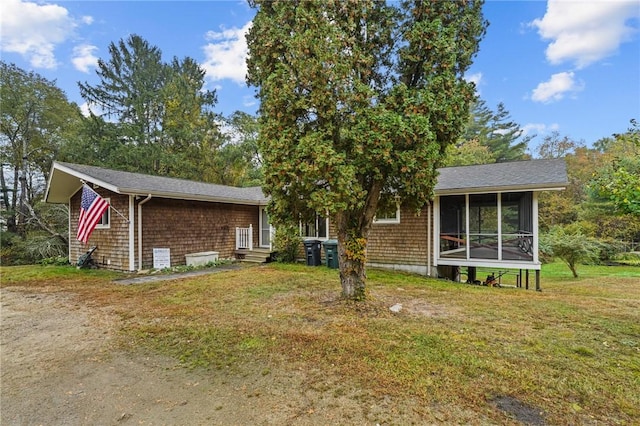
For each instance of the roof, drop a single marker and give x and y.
(66, 179)
(513, 176)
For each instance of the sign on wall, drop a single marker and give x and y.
(161, 258)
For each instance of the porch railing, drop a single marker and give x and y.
(244, 238)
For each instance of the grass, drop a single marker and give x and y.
(572, 350)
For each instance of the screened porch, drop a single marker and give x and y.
(487, 229)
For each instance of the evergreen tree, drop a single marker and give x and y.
(358, 99)
(165, 122)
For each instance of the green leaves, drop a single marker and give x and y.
(357, 98)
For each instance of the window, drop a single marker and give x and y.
(388, 210)
(316, 229)
(105, 220)
(500, 226)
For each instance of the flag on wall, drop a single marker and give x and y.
(92, 207)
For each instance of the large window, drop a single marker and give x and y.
(483, 226)
(317, 229)
(453, 233)
(487, 226)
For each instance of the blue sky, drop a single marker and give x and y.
(566, 66)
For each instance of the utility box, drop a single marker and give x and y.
(331, 253)
(312, 251)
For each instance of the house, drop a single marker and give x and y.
(481, 216)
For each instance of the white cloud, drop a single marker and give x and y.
(584, 32)
(475, 78)
(556, 88)
(34, 30)
(83, 57)
(538, 128)
(225, 56)
(249, 101)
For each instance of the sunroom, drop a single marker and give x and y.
(487, 216)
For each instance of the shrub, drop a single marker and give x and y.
(571, 246)
(286, 243)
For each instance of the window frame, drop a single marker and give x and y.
(317, 221)
(388, 220)
(105, 220)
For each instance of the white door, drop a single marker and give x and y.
(265, 229)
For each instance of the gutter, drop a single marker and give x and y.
(140, 230)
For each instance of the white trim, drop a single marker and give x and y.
(389, 221)
(499, 213)
(488, 263)
(262, 229)
(435, 238)
(311, 237)
(140, 230)
(469, 261)
(132, 241)
(536, 230)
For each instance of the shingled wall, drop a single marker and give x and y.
(400, 245)
(193, 226)
(112, 242)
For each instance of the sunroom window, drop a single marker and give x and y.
(487, 226)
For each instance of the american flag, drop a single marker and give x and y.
(92, 207)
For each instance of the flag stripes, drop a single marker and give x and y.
(92, 207)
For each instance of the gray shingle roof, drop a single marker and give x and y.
(514, 176)
(517, 175)
(141, 184)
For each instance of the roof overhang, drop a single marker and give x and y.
(64, 182)
(496, 189)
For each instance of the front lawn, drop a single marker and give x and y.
(465, 354)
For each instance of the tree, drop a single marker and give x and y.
(571, 245)
(502, 138)
(238, 162)
(164, 118)
(359, 100)
(618, 177)
(36, 119)
(556, 146)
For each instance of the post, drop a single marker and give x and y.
(538, 288)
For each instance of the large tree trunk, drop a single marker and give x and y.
(353, 234)
(352, 254)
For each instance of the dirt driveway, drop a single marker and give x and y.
(61, 365)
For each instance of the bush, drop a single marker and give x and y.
(286, 243)
(34, 249)
(571, 246)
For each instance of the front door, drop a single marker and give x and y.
(265, 229)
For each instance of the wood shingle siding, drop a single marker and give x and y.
(403, 243)
(112, 242)
(192, 227)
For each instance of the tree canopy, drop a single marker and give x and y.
(149, 115)
(36, 120)
(359, 101)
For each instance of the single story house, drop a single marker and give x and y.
(481, 216)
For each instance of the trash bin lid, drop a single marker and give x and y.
(309, 243)
(330, 243)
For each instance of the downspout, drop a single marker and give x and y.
(140, 230)
(429, 238)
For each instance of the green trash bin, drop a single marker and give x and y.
(331, 253)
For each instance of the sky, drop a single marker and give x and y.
(569, 66)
